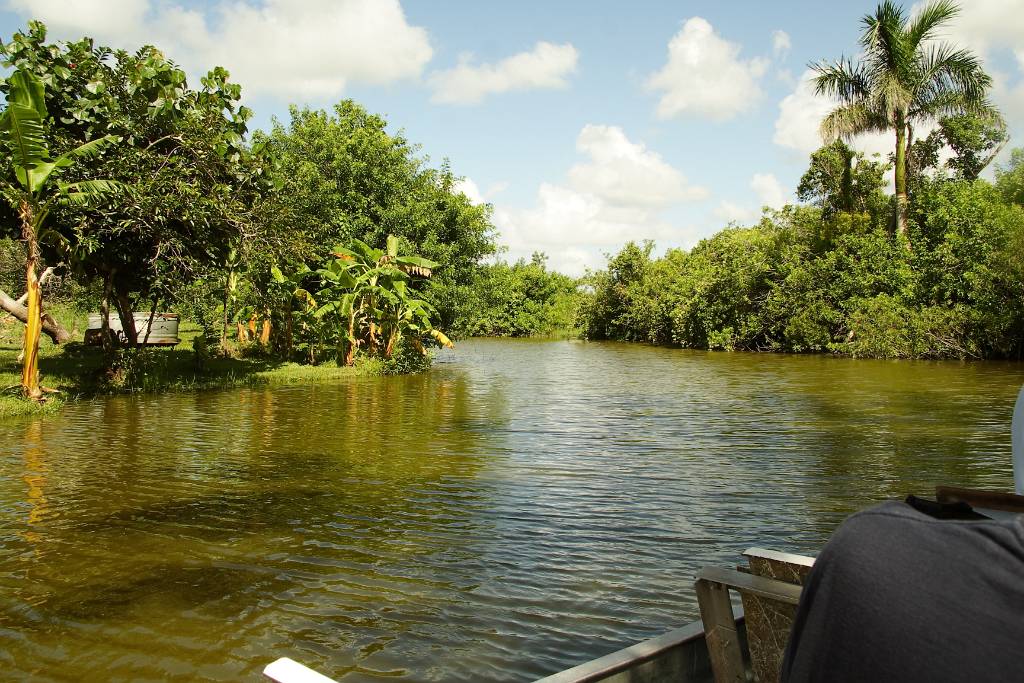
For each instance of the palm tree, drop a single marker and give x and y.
(35, 191)
(905, 77)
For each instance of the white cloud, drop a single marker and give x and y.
(768, 190)
(705, 76)
(86, 17)
(546, 66)
(1009, 96)
(576, 229)
(496, 188)
(986, 26)
(781, 44)
(770, 193)
(467, 187)
(313, 48)
(800, 116)
(615, 196)
(734, 213)
(625, 173)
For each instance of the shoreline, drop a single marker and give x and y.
(76, 372)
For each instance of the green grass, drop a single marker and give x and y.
(79, 372)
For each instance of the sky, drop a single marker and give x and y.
(585, 124)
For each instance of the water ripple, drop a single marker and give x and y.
(522, 508)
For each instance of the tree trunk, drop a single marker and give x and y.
(224, 320)
(124, 310)
(265, 332)
(152, 315)
(108, 283)
(900, 179)
(42, 281)
(911, 180)
(350, 354)
(34, 310)
(847, 181)
(390, 347)
(990, 157)
(288, 335)
(51, 328)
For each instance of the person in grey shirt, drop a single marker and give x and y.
(900, 593)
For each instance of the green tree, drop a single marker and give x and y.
(974, 141)
(346, 177)
(840, 179)
(972, 265)
(606, 312)
(521, 299)
(34, 191)
(1010, 178)
(727, 280)
(906, 78)
(197, 187)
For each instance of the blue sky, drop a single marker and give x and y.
(585, 124)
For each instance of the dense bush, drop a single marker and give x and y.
(521, 299)
(810, 279)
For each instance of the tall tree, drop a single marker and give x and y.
(905, 78)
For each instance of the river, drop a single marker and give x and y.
(521, 508)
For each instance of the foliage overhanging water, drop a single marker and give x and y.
(523, 507)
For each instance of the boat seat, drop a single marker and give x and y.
(769, 587)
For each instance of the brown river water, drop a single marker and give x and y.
(521, 508)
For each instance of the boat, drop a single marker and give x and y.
(680, 656)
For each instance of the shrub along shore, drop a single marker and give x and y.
(813, 279)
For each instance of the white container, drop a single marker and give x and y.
(164, 331)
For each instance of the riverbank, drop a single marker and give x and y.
(79, 372)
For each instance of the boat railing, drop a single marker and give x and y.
(679, 655)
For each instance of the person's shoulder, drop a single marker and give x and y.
(889, 512)
(894, 528)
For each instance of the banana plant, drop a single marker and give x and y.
(35, 191)
(371, 296)
(284, 290)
